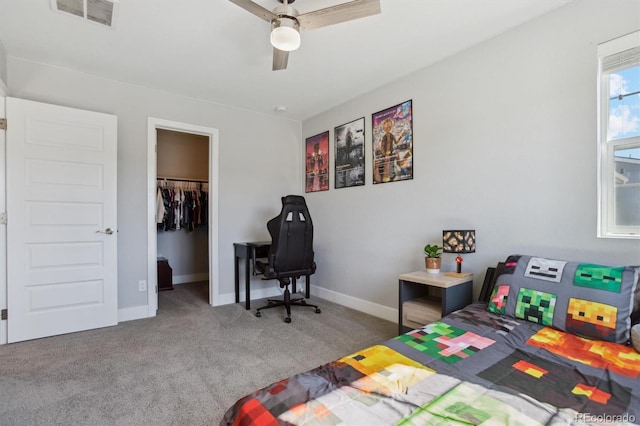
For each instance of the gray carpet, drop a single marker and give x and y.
(184, 367)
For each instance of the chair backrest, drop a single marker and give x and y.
(291, 251)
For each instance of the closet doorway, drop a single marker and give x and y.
(183, 206)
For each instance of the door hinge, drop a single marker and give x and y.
(3, 124)
(5, 314)
(3, 218)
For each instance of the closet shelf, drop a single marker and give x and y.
(181, 179)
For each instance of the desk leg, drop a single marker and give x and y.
(237, 278)
(247, 282)
(400, 302)
(307, 281)
(307, 293)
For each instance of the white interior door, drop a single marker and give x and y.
(61, 229)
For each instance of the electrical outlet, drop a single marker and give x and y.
(142, 285)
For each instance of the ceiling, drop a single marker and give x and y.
(216, 51)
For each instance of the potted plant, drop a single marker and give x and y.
(432, 260)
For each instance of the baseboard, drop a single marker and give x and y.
(190, 278)
(380, 311)
(3, 332)
(133, 313)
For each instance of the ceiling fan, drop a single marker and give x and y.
(286, 22)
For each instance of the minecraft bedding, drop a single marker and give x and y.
(471, 367)
(550, 346)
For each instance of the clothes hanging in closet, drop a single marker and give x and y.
(181, 205)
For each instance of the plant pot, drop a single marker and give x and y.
(433, 264)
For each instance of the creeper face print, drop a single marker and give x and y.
(585, 317)
(535, 306)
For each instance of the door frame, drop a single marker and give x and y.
(152, 237)
(3, 209)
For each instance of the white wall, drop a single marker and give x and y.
(504, 139)
(3, 68)
(253, 176)
(505, 143)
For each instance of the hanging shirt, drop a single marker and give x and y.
(160, 211)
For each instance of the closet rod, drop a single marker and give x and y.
(182, 180)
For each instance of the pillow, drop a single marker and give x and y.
(588, 300)
(635, 337)
(635, 315)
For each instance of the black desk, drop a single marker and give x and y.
(251, 251)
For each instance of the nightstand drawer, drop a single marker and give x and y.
(419, 312)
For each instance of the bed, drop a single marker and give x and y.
(550, 346)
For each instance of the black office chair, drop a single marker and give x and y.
(291, 252)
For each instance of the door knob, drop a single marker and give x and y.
(107, 231)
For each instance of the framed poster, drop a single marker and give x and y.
(349, 154)
(317, 163)
(393, 143)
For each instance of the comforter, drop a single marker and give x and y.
(471, 367)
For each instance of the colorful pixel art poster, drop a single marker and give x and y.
(349, 159)
(393, 143)
(317, 163)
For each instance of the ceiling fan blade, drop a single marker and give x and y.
(280, 59)
(256, 9)
(339, 13)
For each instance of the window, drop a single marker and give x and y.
(98, 11)
(619, 137)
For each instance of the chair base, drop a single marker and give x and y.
(287, 302)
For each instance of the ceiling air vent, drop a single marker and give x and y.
(99, 11)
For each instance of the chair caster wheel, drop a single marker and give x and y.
(258, 314)
(287, 320)
(318, 310)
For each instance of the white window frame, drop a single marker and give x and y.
(607, 227)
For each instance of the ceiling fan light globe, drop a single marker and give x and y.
(285, 36)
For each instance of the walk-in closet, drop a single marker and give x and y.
(182, 191)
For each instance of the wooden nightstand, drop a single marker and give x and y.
(425, 297)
